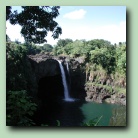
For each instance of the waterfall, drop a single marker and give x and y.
(69, 80)
(66, 91)
(68, 67)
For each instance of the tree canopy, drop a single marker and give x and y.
(36, 22)
(47, 48)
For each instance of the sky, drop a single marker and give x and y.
(84, 22)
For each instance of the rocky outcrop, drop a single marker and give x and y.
(44, 66)
(77, 77)
(102, 87)
(96, 93)
(102, 93)
(117, 99)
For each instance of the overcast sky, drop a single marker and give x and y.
(84, 22)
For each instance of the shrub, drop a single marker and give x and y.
(19, 109)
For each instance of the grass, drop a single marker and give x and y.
(93, 122)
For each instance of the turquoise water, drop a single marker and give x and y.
(78, 112)
(93, 110)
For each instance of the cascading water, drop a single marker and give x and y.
(67, 66)
(66, 91)
(69, 80)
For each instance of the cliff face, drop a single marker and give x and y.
(102, 93)
(101, 87)
(44, 66)
(48, 77)
(77, 78)
(94, 86)
(47, 74)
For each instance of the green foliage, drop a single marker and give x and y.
(7, 38)
(63, 46)
(46, 48)
(14, 57)
(98, 51)
(99, 43)
(121, 59)
(31, 49)
(104, 57)
(81, 47)
(120, 90)
(45, 125)
(93, 122)
(64, 42)
(58, 123)
(36, 22)
(19, 108)
(106, 87)
(18, 69)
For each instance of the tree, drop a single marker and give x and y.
(8, 38)
(19, 109)
(104, 57)
(47, 47)
(121, 59)
(8, 12)
(64, 42)
(36, 22)
(100, 43)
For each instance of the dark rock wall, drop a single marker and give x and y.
(48, 67)
(105, 93)
(48, 76)
(77, 79)
(50, 88)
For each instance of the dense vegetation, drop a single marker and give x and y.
(111, 58)
(100, 57)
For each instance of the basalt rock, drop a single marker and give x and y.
(44, 67)
(101, 94)
(77, 78)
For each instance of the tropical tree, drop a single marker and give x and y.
(64, 42)
(105, 58)
(121, 59)
(36, 22)
(47, 48)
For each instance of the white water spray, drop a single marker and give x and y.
(67, 66)
(66, 91)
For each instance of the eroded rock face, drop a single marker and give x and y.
(96, 94)
(101, 94)
(77, 78)
(44, 67)
(117, 99)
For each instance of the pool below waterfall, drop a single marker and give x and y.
(70, 112)
(75, 114)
